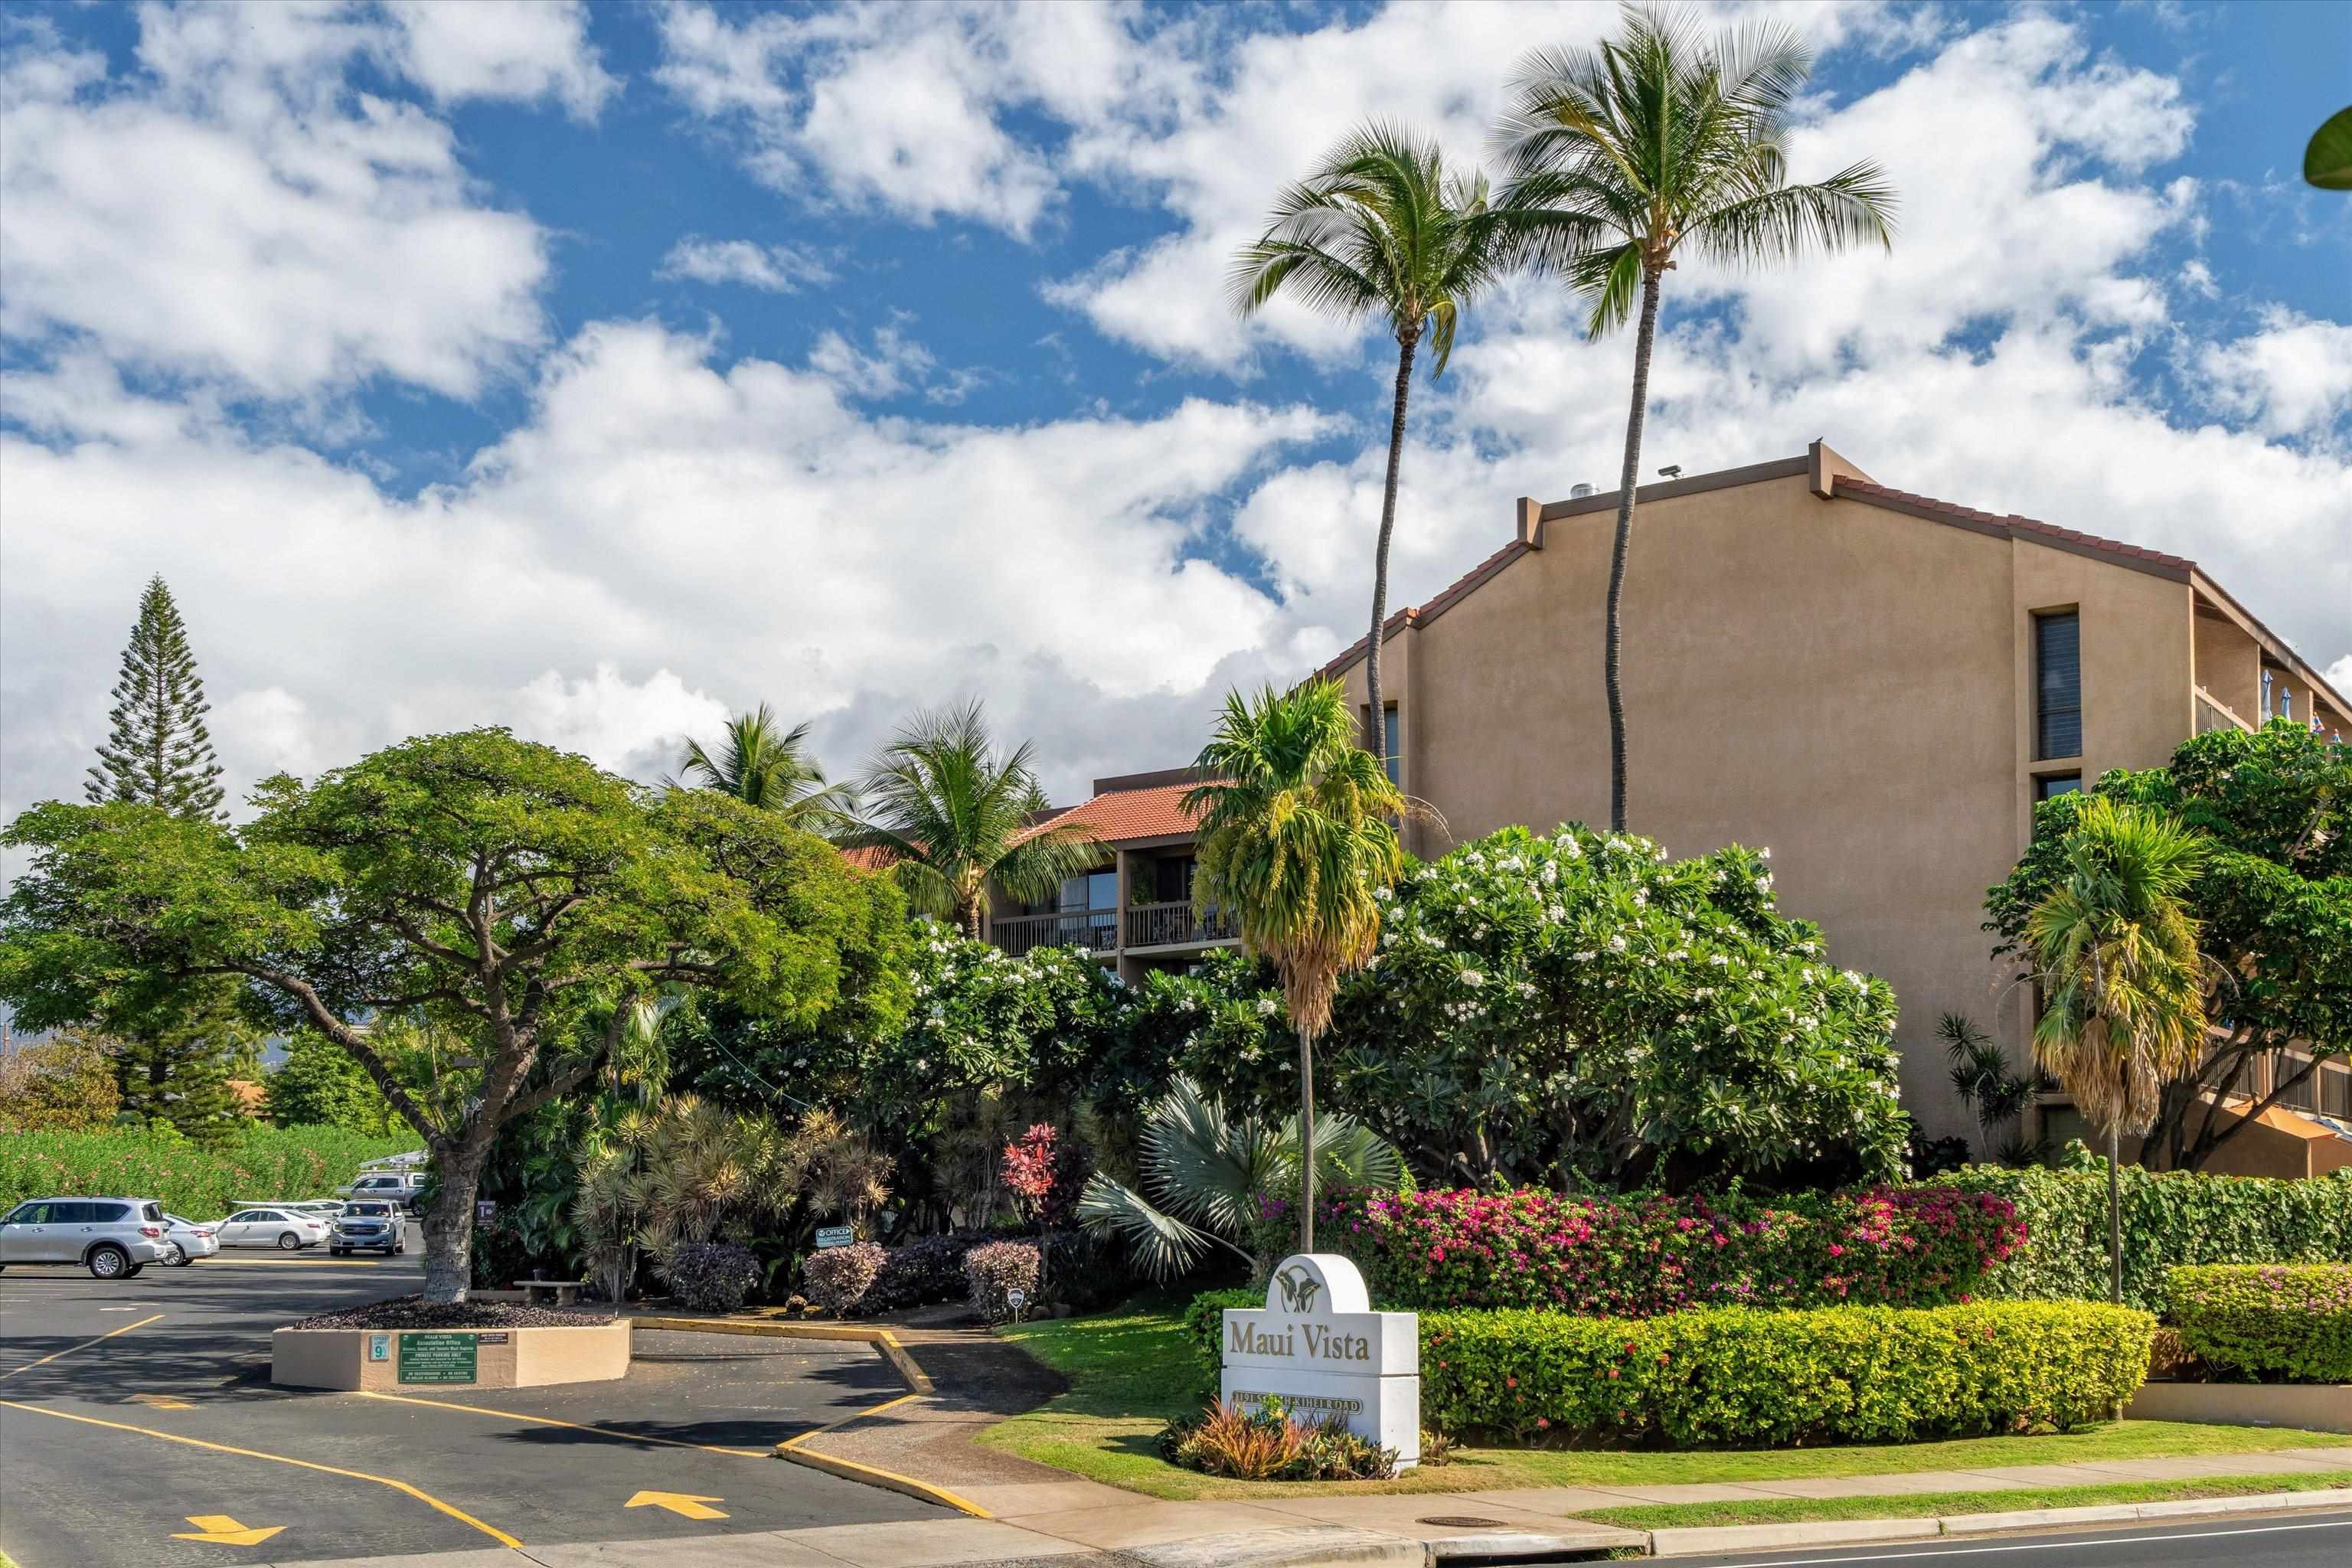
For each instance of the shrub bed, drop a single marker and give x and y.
(839, 1278)
(2169, 1218)
(713, 1276)
(196, 1183)
(1741, 1377)
(1434, 1251)
(2266, 1323)
(995, 1268)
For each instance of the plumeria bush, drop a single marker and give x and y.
(1580, 1006)
(1643, 1255)
(2267, 1322)
(1738, 1377)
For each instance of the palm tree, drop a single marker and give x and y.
(1652, 142)
(955, 814)
(1297, 838)
(762, 766)
(2115, 950)
(1983, 1078)
(1381, 230)
(1204, 1167)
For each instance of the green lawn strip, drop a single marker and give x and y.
(1132, 1369)
(1800, 1511)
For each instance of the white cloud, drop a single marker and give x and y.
(897, 364)
(2293, 377)
(779, 268)
(519, 50)
(663, 539)
(235, 214)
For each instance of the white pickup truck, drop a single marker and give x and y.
(401, 1188)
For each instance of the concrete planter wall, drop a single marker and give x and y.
(2313, 1406)
(373, 1360)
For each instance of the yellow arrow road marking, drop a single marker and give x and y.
(160, 1401)
(679, 1503)
(221, 1529)
(84, 1345)
(494, 1534)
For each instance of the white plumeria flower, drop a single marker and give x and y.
(1473, 978)
(1267, 1006)
(1616, 944)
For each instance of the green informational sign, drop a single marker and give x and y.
(835, 1235)
(436, 1358)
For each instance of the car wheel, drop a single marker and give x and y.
(107, 1261)
(399, 1247)
(178, 1257)
(132, 1272)
(290, 1242)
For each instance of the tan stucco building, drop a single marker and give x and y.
(1875, 684)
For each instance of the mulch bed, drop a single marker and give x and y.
(410, 1312)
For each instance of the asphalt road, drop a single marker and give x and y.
(2287, 1541)
(113, 1449)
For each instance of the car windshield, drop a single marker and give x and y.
(376, 1209)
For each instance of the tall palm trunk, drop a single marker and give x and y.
(1377, 720)
(2115, 1217)
(1306, 1065)
(1626, 482)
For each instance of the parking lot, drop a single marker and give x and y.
(138, 1427)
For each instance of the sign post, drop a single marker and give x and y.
(1319, 1348)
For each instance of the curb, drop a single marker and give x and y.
(913, 1376)
(888, 1481)
(1694, 1540)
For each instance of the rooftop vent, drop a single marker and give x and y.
(1577, 493)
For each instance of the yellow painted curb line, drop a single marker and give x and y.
(882, 1339)
(83, 1346)
(889, 1481)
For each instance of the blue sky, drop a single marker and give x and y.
(599, 370)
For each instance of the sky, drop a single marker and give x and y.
(602, 371)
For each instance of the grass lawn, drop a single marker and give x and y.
(1798, 1510)
(1132, 1369)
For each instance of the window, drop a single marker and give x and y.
(2049, 786)
(107, 1214)
(72, 1214)
(2058, 685)
(28, 1214)
(1389, 744)
(1172, 878)
(1095, 891)
(153, 1212)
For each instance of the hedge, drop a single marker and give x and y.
(192, 1182)
(2169, 1218)
(2267, 1322)
(1638, 1257)
(1734, 1376)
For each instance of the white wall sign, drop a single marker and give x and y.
(1320, 1348)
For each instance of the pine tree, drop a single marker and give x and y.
(177, 1070)
(159, 753)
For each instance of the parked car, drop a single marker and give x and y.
(369, 1226)
(275, 1224)
(114, 1239)
(185, 1240)
(323, 1210)
(401, 1188)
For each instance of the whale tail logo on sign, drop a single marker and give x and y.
(1318, 1348)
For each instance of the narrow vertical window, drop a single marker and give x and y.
(1388, 745)
(2058, 685)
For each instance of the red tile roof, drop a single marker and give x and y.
(1419, 615)
(870, 858)
(2014, 526)
(1118, 817)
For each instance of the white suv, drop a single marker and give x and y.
(114, 1239)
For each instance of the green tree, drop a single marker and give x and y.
(1381, 230)
(507, 893)
(61, 1085)
(157, 752)
(319, 1084)
(1987, 1085)
(1654, 142)
(2272, 901)
(763, 765)
(2115, 950)
(954, 812)
(1297, 838)
(175, 1065)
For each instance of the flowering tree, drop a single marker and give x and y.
(1029, 1169)
(1580, 1006)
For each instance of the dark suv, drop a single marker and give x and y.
(369, 1224)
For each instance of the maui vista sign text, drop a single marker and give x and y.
(1319, 1349)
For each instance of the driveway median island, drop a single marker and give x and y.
(465, 1344)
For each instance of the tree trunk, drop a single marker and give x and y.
(2115, 1217)
(1306, 1144)
(1628, 481)
(1377, 719)
(449, 1226)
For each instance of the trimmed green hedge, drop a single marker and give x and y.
(263, 1162)
(2170, 1217)
(1738, 1377)
(2268, 1322)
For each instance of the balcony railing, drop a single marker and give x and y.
(1171, 925)
(1093, 930)
(2212, 715)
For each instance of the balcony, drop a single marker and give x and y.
(1091, 930)
(1177, 925)
(2211, 714)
